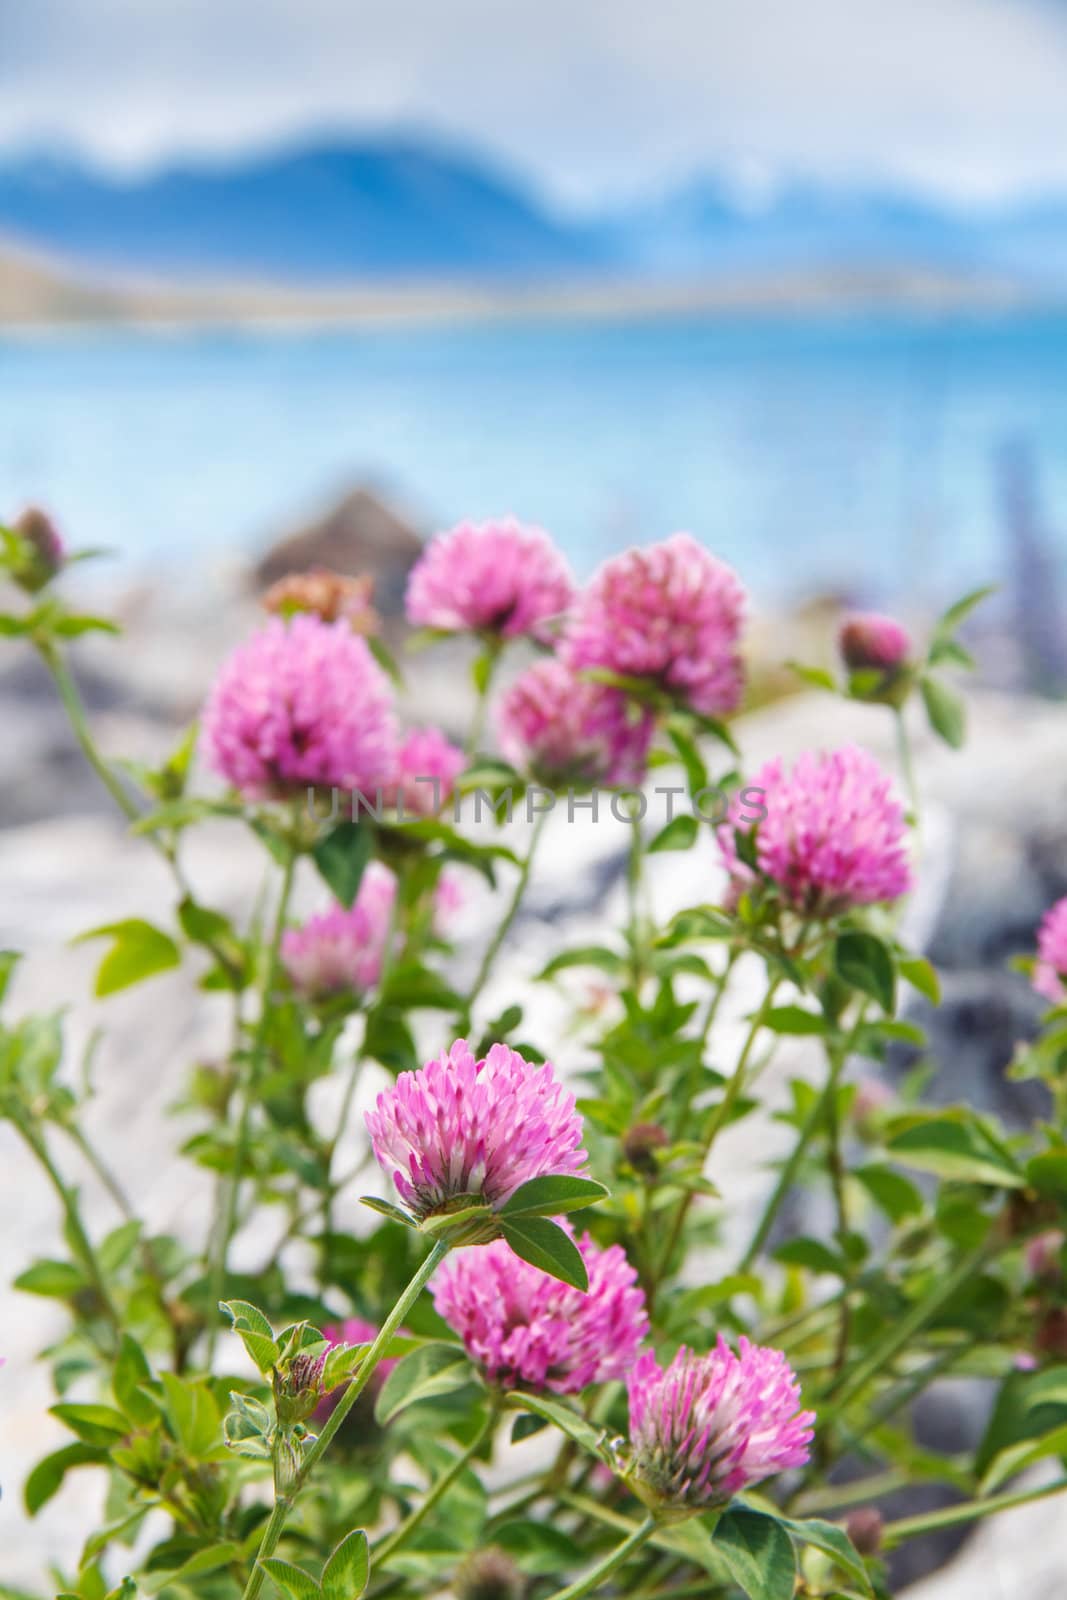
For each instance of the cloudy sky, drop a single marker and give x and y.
(591, 98)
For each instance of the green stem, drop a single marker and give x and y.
(610, 1563)
(895, 1533)
(330, 1191)
(100, 1168)
(367, 1367)
(496, 943)
(79, 1239)
(634, 881)
(75, 710)
(907, 767)
(490, 657)
(902, 1332)
(719, 1118)
(401, 1534)
(787, 1177)
(231, 1195)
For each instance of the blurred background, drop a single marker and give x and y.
(792, 276)
(286, 282)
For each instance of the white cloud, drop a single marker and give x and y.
(959, 96)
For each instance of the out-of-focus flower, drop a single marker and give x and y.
(329, 595)
(301, 703)
(871, 1100)
(876, 651)
(833, 835)
(529, 1330)
(36, 552)
(870, 641)
(641, 1145)
(563, 729)
(489, 1575)
(427, 766)
(460, 1133)
(865, 1527)
(353, 1330)
(671, 614)
(1050, 970)
(502, 578)
(1044, 1254)
(449, 899)
(342, 950)
(708, 1426)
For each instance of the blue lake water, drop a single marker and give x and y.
(854, 451)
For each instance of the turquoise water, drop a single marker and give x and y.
(855, 452)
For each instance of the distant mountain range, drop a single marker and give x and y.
(400, 209)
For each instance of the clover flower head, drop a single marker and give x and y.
(503, 578)
(38, 551)
(833, 835)
(868, 640)
(461, 1130)
(342, 950)
(671, 614)
(708, 1426)
(1050, 970)
(301, 703)
(427, 766)
(564, 729)
(528, 1330)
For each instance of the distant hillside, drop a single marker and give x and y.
(406, 212)
(319, 214)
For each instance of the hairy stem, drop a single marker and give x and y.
(367, 1367)
(497, 941)
(895, 1533)
(609, 1564)
(231, 1194)
(401, 1534)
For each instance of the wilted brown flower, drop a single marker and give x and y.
(330, 595)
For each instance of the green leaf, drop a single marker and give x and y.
(47, 1476)
(385, 1208)
(572, 1423)
(834, 1542)
(586, 955)
(950, 620)
(345, 1575)
(922, 975)
(894, 1194)
(537, 1548)
(812, 1254)
(814, 677)
(70, 626)
(679, 834)
(957, 1148)
(759, 1554)
(433, 1369)
(413, 987)
(96, 1425)
(209, 1560)
(864, 962)
(9, 960)
(139, 951)
(945, 711)
(342, 856)
(291, 1580)
(552, 1196)
(131, 1373)
(244, 1315)
(193, 1413)
(795, 1020)
(544, 1245)
(57, 1279)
